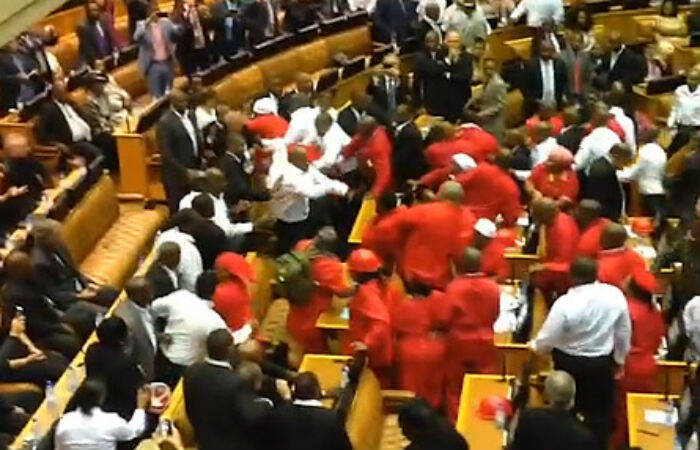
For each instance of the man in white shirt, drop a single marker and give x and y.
(468, 19)
(599, 142)
(544, 143)
(331, 140)
(190, 265)
(188, 321)
(617, 99)
(301, 126)
(685, 112)
(588, 332)
(298, 192)
(539, 11)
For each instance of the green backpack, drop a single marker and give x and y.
(294, 278)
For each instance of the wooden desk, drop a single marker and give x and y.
(328, 368)
(365, 216)
(479, 433)
(646, 435)
(331, 321)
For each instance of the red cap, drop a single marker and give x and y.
(236, 265)
(364, 261)
(643, 226)
(645, 280)
(489, 406)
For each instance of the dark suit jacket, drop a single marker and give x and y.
(219, 16)
(348, 120)
(408, 160)
(139, 344)
(52, 126)
(138, 10)
(458, 86)
(603, 185)
(630, 68)
(380, 93)
(305, 428)
(549, 429)
(291, 101)
(572, 137)
(58, 274)
(43, 319)
(238, 184)
(178, 154)
(120, 373)
(533, 82)
(392, 20)
(89, 49)
(9, 81)
(299, 15)
(219, 407)
(210, 241)
(429, 82)
(160, 281)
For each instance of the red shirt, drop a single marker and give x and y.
(617, 264)
(561, 240)
(268, 126)
(589, 244)
(439, 154)
(370, 323)
(484, 144)
(647, 331)
(473, 302)
(493, 261)
(489, 191)
(377, 150)
(553, 186)
(231, 300)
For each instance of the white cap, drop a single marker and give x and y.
(464, 162)
(265, 105)
(485, 227)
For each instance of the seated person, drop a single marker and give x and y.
(426, 429)
(108, 105)
(555, 178)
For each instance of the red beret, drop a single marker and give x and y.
(236, 265)
(363, 260)
(645, 280)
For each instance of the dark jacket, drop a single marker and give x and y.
(458, 86)
(348, 119)
(305, 428)
(53, 126)
(408, 160)
(392, 20)
(178, 153)
(383, 96)
(571, 138)
(533, 82)
(210, 241)
(139, 344)
(429, 82)
(229, 33)
(89, 48)
(630, 68)
(603, 185)
(10, 81)
(160, 281)
(60, 278)
(238, 184)
(550, 429)
(43, 318)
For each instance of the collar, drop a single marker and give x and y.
(181, 116)
(313, 402)
(402, 125)
(217, 363)
(622, 49)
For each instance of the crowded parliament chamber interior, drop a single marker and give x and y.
(350, 224)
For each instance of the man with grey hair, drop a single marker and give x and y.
(553, 426)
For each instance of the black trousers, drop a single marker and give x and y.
(595, 391)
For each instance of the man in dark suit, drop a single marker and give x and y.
(620, 64)
(386, 87)
(579, 67)
(260, 20)
(305, 423)
(393, 19)
(554, 426)
(163, 272)
(95, 37)
(298, 14)
(18, 74)
(233, 163)
(333, 8)
(180, 147)
(603, 185)
(361, 105)
(573, 131)
(408, 160)
(142, 343)
(429, 73)
(219, 406)
(229, 33)
(546, 80)
(209, 238)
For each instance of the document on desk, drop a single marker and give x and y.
(661, 417)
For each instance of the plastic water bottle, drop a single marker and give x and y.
(51, 399)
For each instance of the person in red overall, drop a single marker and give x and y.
(616, 262)
(555, 178)
(370, 322)
(267, 124)
(546, 114)
(591, 226)
(648, 330)
(329, 278)
(560, 231)
(418, 319)
(231, 298)
(474, 302)
(492, 248)
(484, 144)
(375, 237)
(460, 163)
(372, 146)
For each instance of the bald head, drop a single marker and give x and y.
(587, 212)
(544, 210)
(251, 374)
(614, 236)
(560, 390)
(471, 260)
(139, 291)
(16, 145)
(451, 191)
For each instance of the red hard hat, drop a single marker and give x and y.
(364, 261)
(489, 406)
(236, 265)
(643, 226)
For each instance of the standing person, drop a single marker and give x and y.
(137, 10)
(474, 302)
(192, 49)
(459, 68)
(588, 333)
(685, 112)
(579, 66)
(616, 262)
(176, 231)
(429, 75)
(142, 333)
(392, 21)
(163, 272)
(370, 322)
(18, 74)
(89, 426)
(591, 226)
(546, 80)
(492, 248)
(372, 147)
(426, 429)
(598, 142)
(555, 421)
(180, 147)
(620, 64)
(157, 37)
(603, 182)
(466, 18)
(538, 12)
(229, 31)
(231, 298)
(408, 159)
(386, 88)
(96, 41)
(489, 108)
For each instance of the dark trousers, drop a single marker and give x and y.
(289, 233)
(681, 138)
(655, 205)
(167, 371)
(37, 372)
(108, 144)
(595, 391)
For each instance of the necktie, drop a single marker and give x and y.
(578, 88)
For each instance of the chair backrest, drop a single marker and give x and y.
(91, 218)
(365, 420)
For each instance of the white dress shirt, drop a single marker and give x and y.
(686, 107)
(204, 117)
(189, 320)
(189, 127)
(691, 320)
(627, 125)
(190, 266)
(614, 56)
(538, 11)
(542, 150)
(97, 431)
(598, 143)
(221, 218)
(332, 144)
(302, 126)
(548, 83)
(293, 188)
(589, 320)
(79, 129)
(648, 170)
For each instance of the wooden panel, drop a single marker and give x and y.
(481, 434)
(353, 42)
(327, 368)
(366, 215)
(366, 417)
(133, 163)
(645, 435)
